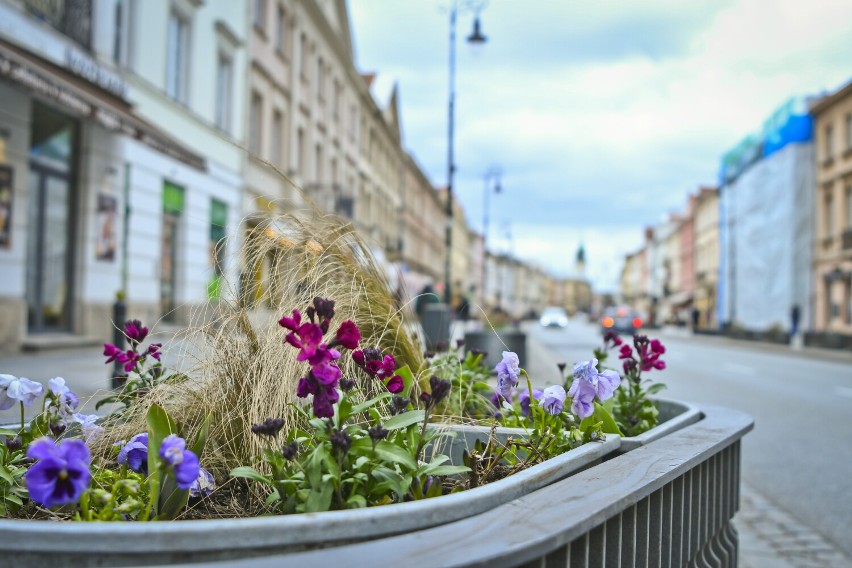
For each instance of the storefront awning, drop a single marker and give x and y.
(82, 98)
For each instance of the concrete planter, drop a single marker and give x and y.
(674, 415)
(670, 504)
(117, 544)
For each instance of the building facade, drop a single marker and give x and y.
(767, 182)
(832, 283)
(706, 255)
(93, 172)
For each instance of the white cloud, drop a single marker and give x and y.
(603, 115)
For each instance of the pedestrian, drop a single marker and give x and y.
(794, 319)
(695, 316)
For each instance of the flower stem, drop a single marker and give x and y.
(153, 495)
(22, 417)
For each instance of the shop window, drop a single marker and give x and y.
(217, 247)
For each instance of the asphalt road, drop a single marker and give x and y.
(799, 454)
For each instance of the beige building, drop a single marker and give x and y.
(706, 255)
(424, 218)
(833, 238)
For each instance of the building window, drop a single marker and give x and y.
(280, 31)
(300, 151)
(277, 132)
(224, 80)
(218, 230)
(318, 164)
(829, 141)
(849, 131)
(338, 89)
(259, 15)
(255, 115)
(121, 38)
(848, 192)
(320, 78)
(177, 63)
(828, 213)
(303, 56)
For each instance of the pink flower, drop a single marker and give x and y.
(291, 323)
(348, 335)
(395, 384)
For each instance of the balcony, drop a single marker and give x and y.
(72, 18)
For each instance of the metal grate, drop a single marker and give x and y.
(687, 522)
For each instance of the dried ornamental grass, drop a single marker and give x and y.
(238, 372)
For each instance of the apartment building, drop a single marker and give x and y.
(832, 251)
(109, 151)
(706, 255)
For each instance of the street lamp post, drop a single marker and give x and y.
(492, 174)
(475, 37)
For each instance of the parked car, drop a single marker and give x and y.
(553, 317)
(622, 320)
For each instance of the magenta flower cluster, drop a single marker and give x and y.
(136, 334)
(379, 366)
(648, 353)
(308, 337)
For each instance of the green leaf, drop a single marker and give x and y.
(357, 409)
(201, 437)
(602, 415)
(389, 452)
(357, 502)
(7, 432)
(405, 419)
(655, 388)
(248, 472)
(6, 476)
(447, 470)
(407, 380)
(319, 500)
(160, 425)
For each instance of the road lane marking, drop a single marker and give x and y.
(739, 369)
(844, 391)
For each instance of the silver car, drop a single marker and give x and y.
(553, 317)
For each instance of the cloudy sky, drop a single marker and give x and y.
(602, 114)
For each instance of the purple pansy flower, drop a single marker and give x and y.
(603, 384)
(582, 401)
(135, 331)
(61, 474)
(508, 372)
(88, 423)
(18, 389)
(553, 399)
(64, 401)
(525, 400)
(181, 463)
(134, 454)
(203, 485)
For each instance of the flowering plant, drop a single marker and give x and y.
(349, 455)
(142, 365)
(48, 461)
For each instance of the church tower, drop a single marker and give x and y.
(580, 261)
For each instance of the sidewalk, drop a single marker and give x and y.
(725, 341)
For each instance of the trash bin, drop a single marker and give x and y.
(436, 324)
(494, 343)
